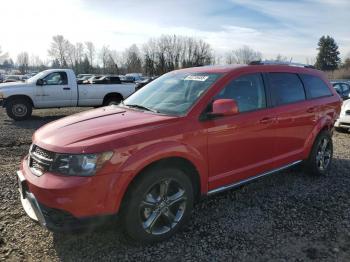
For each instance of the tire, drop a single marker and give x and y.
(112, 101)
(19, 109)
(157, 206)
(320, 158)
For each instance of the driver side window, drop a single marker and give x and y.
(57, 78)
(248, 91)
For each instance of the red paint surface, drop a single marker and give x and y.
(223, 150)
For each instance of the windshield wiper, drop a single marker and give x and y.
(141, 107)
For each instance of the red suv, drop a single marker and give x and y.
(187, 134)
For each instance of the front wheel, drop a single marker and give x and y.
(320, 158)
(19, 109)
(157, 205)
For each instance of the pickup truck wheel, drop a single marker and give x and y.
(19, 109)
(112, 101)
(158, 205)
(320, 158)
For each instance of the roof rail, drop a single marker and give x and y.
(271, 62)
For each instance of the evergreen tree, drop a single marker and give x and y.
(328, 55)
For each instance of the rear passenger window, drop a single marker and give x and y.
(248, 91)
(315, 86)
(286, 88)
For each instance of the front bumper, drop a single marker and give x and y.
(79, 196)
(54, 219)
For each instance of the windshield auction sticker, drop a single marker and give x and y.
(196, 78)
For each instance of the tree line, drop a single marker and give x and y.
(155, 57)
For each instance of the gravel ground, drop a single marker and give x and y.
(289, 216)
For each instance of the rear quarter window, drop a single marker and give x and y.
(315, 86)
(286, 88)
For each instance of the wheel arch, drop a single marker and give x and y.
(111, 95)
(12, 97)
(176, 162)
(324, 124)
(192, 165)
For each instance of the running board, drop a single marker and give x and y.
(223, 188)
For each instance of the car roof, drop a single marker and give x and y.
(256, 67)
(340, 82)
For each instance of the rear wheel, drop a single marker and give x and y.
(157, 205)
(112, 101)
(19, 109)
(320, 158)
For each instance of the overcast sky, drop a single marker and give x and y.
(289, 27)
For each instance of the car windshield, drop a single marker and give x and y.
(34, 78)
(173, 93)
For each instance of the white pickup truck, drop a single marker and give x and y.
(58, 88)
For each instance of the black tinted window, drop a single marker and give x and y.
(315, 86)
(248, 91)
(115, 80)
(286, 88)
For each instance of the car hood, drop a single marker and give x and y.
(12, 85)
(96, 130)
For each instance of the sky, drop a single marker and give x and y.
(287, 27)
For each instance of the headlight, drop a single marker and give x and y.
(80, 165)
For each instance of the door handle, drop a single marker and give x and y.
(267, 120)
(311, 109)
(66, 88)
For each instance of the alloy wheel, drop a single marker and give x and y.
(324, 154)
(163, 206)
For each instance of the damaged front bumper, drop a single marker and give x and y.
(54, 219)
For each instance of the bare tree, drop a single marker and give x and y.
(71, 54)
(58, 50)
(3, 56)
(23, 62)
(104, 56)
(243, 55)
(79, 52)
(311, 60)
(170, 52)
(133, 59)
(281, 58)
(150, 57)
(35, 61)
(90, 52)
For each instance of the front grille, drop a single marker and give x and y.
(347, 112)
(40, 160)
(43, 153)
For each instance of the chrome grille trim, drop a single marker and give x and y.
(39, 160)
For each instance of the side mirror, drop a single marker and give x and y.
(224, 107)
(40, 82)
